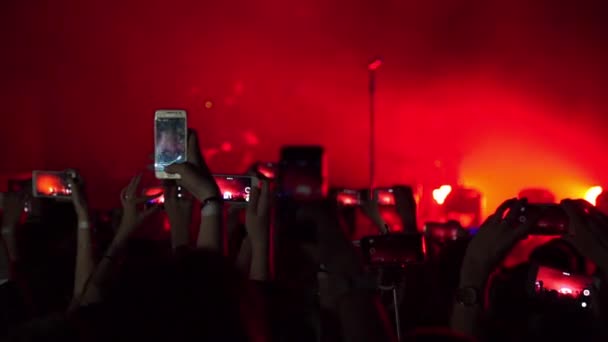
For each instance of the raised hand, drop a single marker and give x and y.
(495, 238)
(195, 175)
(257, 220)
(588, 231)
(78, 195)
(131, 215)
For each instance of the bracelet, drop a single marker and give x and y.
(84, 225)
(7, 230)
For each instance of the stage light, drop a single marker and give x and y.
(441, 193)
(592, 194)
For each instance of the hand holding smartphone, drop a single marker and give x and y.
(170, 141)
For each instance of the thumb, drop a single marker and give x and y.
(176, 169)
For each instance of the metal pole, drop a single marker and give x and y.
(397, 319)
(372, 130)
(372, 67)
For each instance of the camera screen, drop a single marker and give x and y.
(385, 196)
(553, 284)
(268, 170)
(153, 192)
(234, 188)
(349, 198)
(301, 173)
(552, 219)
(393, 249)
(170, 142)
(441, 231)
(51, 184)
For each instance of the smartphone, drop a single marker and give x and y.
(267, 169)
(385, 196)
(553, 220)
(153, 191)
(170, 141)
(348, 197)
(442, 232)
(556, 286)
(51, 184)
(393, 249)
(301, 174)
(234, 188)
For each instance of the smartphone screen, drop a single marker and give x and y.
(385, 196)
(153, 191)
(267, 169)
(234, 188)
(393, 249)
(171, 131)
(302, 173)
(553, 220)
(348, 198)
(442, 231)
(556, 285)
(51, 184)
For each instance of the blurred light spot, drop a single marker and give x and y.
(440, 194)
(251, 138)
(592, 194)
(239, 88)
(226, 147)
(208, 104)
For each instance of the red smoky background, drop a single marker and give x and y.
(497, 95)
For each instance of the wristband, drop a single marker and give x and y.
(84, 225)
(7, 230)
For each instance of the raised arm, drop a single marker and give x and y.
(84, 250)
(361, 316)
(197, 179)
(132, 218)
(496, 237)
(12, 211)
(258, 231)
(178, 206)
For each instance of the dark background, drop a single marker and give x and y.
(509, 93)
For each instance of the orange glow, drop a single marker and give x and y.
(440, 194)
(50, 185)
(592, 194)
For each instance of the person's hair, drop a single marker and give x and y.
(192, 295)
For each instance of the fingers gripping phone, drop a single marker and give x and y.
(170, 141)
(51, 184)
(234, 188)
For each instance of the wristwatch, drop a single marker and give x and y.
(468, 296)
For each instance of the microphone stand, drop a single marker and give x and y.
(372, 67)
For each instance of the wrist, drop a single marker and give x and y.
(259, 246)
